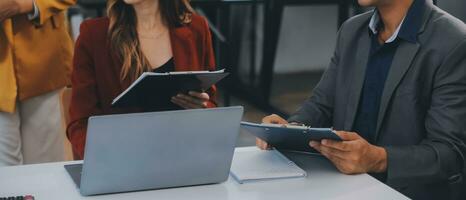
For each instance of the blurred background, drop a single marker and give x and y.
(276, 50)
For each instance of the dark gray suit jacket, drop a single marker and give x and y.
(422, 117)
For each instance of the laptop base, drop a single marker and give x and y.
(75, 171)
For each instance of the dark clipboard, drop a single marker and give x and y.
(293, 138)
(151, 90)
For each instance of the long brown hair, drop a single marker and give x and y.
(123, 34)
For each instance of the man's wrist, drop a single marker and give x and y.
(380, 165)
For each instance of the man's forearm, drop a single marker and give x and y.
(427, 162)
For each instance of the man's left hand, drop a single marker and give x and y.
(10, 8)
(353, 155)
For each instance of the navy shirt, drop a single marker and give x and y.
(378, 67)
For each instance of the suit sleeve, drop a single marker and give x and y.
(317, 111)
(84, 100)
(209, 61)
(48, 8)
(441, 155)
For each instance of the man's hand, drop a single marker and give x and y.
(272, 119)
(353, 155)
(10, 8)
(194, 100)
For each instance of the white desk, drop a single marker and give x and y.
(51, 182)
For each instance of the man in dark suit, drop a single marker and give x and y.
(396, 85)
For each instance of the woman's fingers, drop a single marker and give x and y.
(194, 100)
(203, 95)
(201, 103)
(184, 103)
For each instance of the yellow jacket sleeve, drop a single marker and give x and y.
(8, 88)
(48, 8)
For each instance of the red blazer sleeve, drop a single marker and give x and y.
(209, 61)
(84, 100)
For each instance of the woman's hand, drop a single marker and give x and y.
(194, 100)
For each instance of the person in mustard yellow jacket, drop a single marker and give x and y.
(35, 65)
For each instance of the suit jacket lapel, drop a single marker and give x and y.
(358, 77)
(181, 41)
(401, 63)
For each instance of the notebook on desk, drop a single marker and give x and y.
(251, 164)
(152, 89)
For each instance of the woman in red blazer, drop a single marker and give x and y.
(138, 36)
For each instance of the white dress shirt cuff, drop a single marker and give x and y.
(35, 14)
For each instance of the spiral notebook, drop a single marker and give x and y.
(251, 164)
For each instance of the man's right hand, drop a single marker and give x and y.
(271, 119)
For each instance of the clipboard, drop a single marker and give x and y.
(289, 137)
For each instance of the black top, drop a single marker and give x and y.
(169, 66)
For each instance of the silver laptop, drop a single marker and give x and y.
(144, 151)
